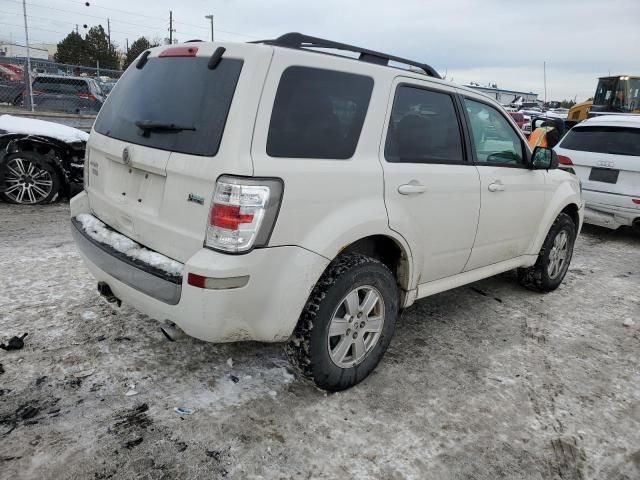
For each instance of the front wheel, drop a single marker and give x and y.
(554, 257)
(347, 323)
(29, 179)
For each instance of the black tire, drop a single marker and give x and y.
(41, 164)
(17, 101)
(308, 349)
(537, 277)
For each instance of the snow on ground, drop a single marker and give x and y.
(99, 231)
(31, 126)
(487, 381)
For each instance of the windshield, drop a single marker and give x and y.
(174, 91)
(620, 94)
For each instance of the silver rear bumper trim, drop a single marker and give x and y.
(149, 281)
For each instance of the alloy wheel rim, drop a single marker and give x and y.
(558, 254)
(27, 182)
(356, 326)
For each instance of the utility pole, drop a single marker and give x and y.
(109, 32)
(170, 27)
(544, 66)
(127, 45)
(77, 29)
(26, 36)
(210, 17)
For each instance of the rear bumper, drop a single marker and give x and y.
(609, 210)
(266, 309)
(164, 288)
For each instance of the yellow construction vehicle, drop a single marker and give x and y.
(578, 113)
(616, 95)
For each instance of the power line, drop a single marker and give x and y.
(134, 14)
(61, 22)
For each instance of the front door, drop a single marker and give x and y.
(512, 195)
(432, 191)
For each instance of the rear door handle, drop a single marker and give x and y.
(496, 187)
(411, 188)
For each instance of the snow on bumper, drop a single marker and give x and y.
(265, 309)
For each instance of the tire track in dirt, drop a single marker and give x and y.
(566, 458)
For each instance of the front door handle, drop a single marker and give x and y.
(411, 188)
(496, 187)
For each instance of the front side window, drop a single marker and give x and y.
(423, 128)
(318, 113)
(494, 138)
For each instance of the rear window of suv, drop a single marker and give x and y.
(318, 113)
(614, 140)
(179, 91)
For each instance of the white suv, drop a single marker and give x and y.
(604, 152)
(275, 193)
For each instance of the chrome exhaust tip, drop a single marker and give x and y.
(170, 330)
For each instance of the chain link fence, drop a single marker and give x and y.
(55, 87)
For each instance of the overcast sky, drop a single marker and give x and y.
(497, 41)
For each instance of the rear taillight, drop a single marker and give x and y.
(564, 160)
(636, 201)
(243, 213)
(88, 96)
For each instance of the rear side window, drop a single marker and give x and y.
(318, 113)
(616, 140)
(423, 128)
(69, 86)
(180, 92)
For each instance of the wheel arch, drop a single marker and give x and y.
(565, 200)
(391, 251)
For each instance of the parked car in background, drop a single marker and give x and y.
(10, 88)
(604, 152)
(59, 93)
(518, 117)
(290, 195)
(39, 161)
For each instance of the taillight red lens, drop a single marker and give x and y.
(564, 160)
(88, 96)
(196, 280)
(636, 201)
(228, 216)
(179, 52)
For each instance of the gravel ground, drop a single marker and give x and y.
(486, 381)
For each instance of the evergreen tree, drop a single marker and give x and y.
(136, 48)
(72, 49)
(99, 50)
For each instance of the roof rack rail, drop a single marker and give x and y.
(301, 41)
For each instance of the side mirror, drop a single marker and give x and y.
(544, 158)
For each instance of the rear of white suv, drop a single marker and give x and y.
(172, 219)
(605, 154)
(271, 192)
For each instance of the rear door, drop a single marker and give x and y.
(606, 158)
(432, 191)
(512, 195)
(165, 134)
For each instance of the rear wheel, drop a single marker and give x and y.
(29, 179)
(347, 323)
(554, 257)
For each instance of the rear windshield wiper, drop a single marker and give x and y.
(152, 125)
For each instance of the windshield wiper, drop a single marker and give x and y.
(153, 125)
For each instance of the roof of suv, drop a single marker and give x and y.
(632, 121)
